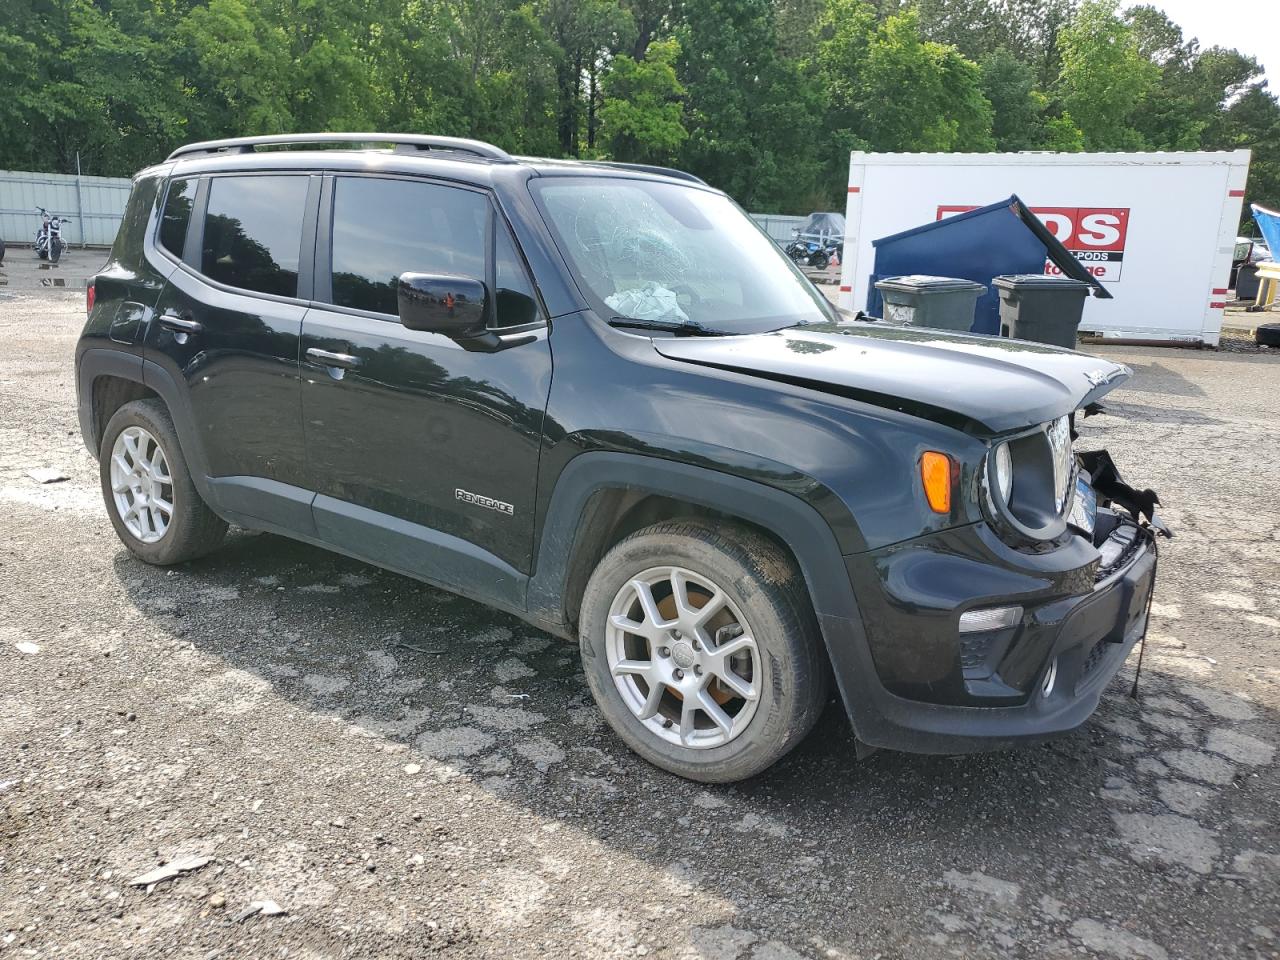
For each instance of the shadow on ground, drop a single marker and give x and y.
(1142, 825)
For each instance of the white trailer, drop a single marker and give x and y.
(1158, 229)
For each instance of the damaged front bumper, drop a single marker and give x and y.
(1081, 606)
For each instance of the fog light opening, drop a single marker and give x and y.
(989, 618)
(1050, 678)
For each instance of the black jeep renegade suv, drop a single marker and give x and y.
(598, 397)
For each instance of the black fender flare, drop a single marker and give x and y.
(793, 521)
(90, 365)
(100, 362)
(179, 403)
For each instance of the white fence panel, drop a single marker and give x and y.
(94, 204)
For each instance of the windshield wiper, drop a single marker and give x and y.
(680, 328)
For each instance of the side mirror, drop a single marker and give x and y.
(438, 303)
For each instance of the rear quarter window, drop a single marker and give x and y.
(253, 232)
(177, 215)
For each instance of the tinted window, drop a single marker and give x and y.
(516, 303)
(176, 216)
(253, 232)
(383, 228)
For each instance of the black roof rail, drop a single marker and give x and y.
(651, 168)
(406, 142)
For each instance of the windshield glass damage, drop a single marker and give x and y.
(674, 257)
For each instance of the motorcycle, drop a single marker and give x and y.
(813, 251)
(49, 242)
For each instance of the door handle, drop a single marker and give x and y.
(180, 324)
(329, 359)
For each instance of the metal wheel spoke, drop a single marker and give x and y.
(708, 705)
(653, 700)
(736, 645)
(646, 630)
(709, 609)
(680, 594)
(638, 668)
(162, 477)
(164, 506)
(131, 448)
(743, 688)
(644, 593)
(688, 715)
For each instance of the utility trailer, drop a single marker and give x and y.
(1158, 229)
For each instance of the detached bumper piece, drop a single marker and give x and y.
(1141, 504)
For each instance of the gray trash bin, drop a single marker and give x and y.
(942, 302)
(1037, 307)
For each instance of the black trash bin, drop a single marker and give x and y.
(1034, 306)
(1247, 282)
(945, 303)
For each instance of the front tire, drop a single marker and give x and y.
(701, 649)
(55, 251)
(150, 496)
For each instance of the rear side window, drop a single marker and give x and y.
(383, 228)
(177, 215)
(253, 232)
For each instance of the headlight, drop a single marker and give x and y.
(1059, 435)
(1030, 480)
(1003, 472)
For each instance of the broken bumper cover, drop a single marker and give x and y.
(925, 687)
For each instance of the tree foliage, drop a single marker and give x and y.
(764, 98)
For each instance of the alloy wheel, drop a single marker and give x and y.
(683, 657)
(141, 485)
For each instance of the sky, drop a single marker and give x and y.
(1250, 26)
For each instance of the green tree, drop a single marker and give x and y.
(641, 118)
(917, 95)
(1104, 76)
(750, 113)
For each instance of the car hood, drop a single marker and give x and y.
(979, 384)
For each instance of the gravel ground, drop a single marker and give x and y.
(405, 773)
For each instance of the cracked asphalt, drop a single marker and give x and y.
(405, 773)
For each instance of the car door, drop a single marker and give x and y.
(424, 453)
(228, 323)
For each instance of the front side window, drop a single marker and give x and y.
(253, 232)
(516, 304)
(383, 228)
(674, 255)
(177, 215)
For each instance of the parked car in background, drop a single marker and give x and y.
(598, 397)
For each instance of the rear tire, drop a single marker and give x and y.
(665, 687)
(150, 496)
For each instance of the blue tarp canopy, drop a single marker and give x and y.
(1268, 222)
(998, 240)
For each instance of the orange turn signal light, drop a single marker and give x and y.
(936, 470)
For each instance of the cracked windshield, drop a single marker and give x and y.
(674, 256)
